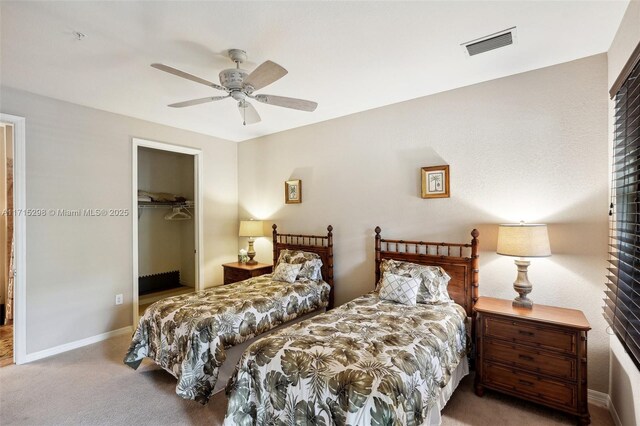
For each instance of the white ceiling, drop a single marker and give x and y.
(347, 56)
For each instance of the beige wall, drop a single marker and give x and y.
(624, 386)
(77, 158)
(625, 378)
(626, 39)
(165, 246)
(531, 146)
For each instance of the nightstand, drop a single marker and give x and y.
(235, 271)
(537, 354)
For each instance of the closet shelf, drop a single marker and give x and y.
(166, 205)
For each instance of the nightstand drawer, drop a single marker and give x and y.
(234, 272)
(547, 391)
(530, 359)
(233, 275)
(528, 333)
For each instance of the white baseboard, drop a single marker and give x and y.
(77, 344)
(614, 414)
(599, 399)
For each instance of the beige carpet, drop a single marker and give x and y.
(91, 386)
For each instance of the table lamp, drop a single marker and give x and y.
(251, 229)
(523, 240)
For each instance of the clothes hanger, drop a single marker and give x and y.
(178, 214)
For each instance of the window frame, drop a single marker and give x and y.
(622, 293)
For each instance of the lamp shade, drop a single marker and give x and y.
(251, 228)
(523, 240)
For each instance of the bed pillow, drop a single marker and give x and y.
(311, 263)
(311, 269)
(434, 279)
(286, 272)
(399, 288)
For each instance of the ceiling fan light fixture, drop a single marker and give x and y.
(238, 95)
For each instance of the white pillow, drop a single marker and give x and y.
(398, 288)
(286, 272)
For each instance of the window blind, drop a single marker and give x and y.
(622, 293)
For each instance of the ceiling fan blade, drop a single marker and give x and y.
(248, 113)
(264, 75)
(282, 101)
(186, 75)
(197, 101)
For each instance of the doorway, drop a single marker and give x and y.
(167, 229)
(7, 283)
(13, 241)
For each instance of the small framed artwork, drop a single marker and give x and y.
(435, 182)
(293, 191)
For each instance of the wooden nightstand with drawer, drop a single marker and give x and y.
(234, 271)
(537, 354)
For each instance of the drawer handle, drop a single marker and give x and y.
(526, 333)
(524, 382)
(527, 357)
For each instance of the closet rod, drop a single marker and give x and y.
(185, 204)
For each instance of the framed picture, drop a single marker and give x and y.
(435, 182)
(293, 191)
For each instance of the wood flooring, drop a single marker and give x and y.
(6, 345)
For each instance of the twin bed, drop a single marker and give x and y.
(369, 361)
(189, 335)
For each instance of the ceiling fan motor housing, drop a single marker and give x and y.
(232, 78)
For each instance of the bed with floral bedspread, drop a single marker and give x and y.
(187, 335)
(368, 362)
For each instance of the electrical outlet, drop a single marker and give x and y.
(119, 299)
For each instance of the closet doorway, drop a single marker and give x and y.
(167, 229)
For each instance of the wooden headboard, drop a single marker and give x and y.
(459, 260)
(320, 244)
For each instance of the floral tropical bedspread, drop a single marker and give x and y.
(187, 335)
(368, 362)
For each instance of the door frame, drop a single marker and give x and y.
(197, 175)
(20, 237)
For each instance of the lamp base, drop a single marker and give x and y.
(251, 253)
(522, 302)
(522, 286)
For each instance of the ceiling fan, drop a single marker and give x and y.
(241, 85)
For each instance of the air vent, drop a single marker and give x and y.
(490, 42)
